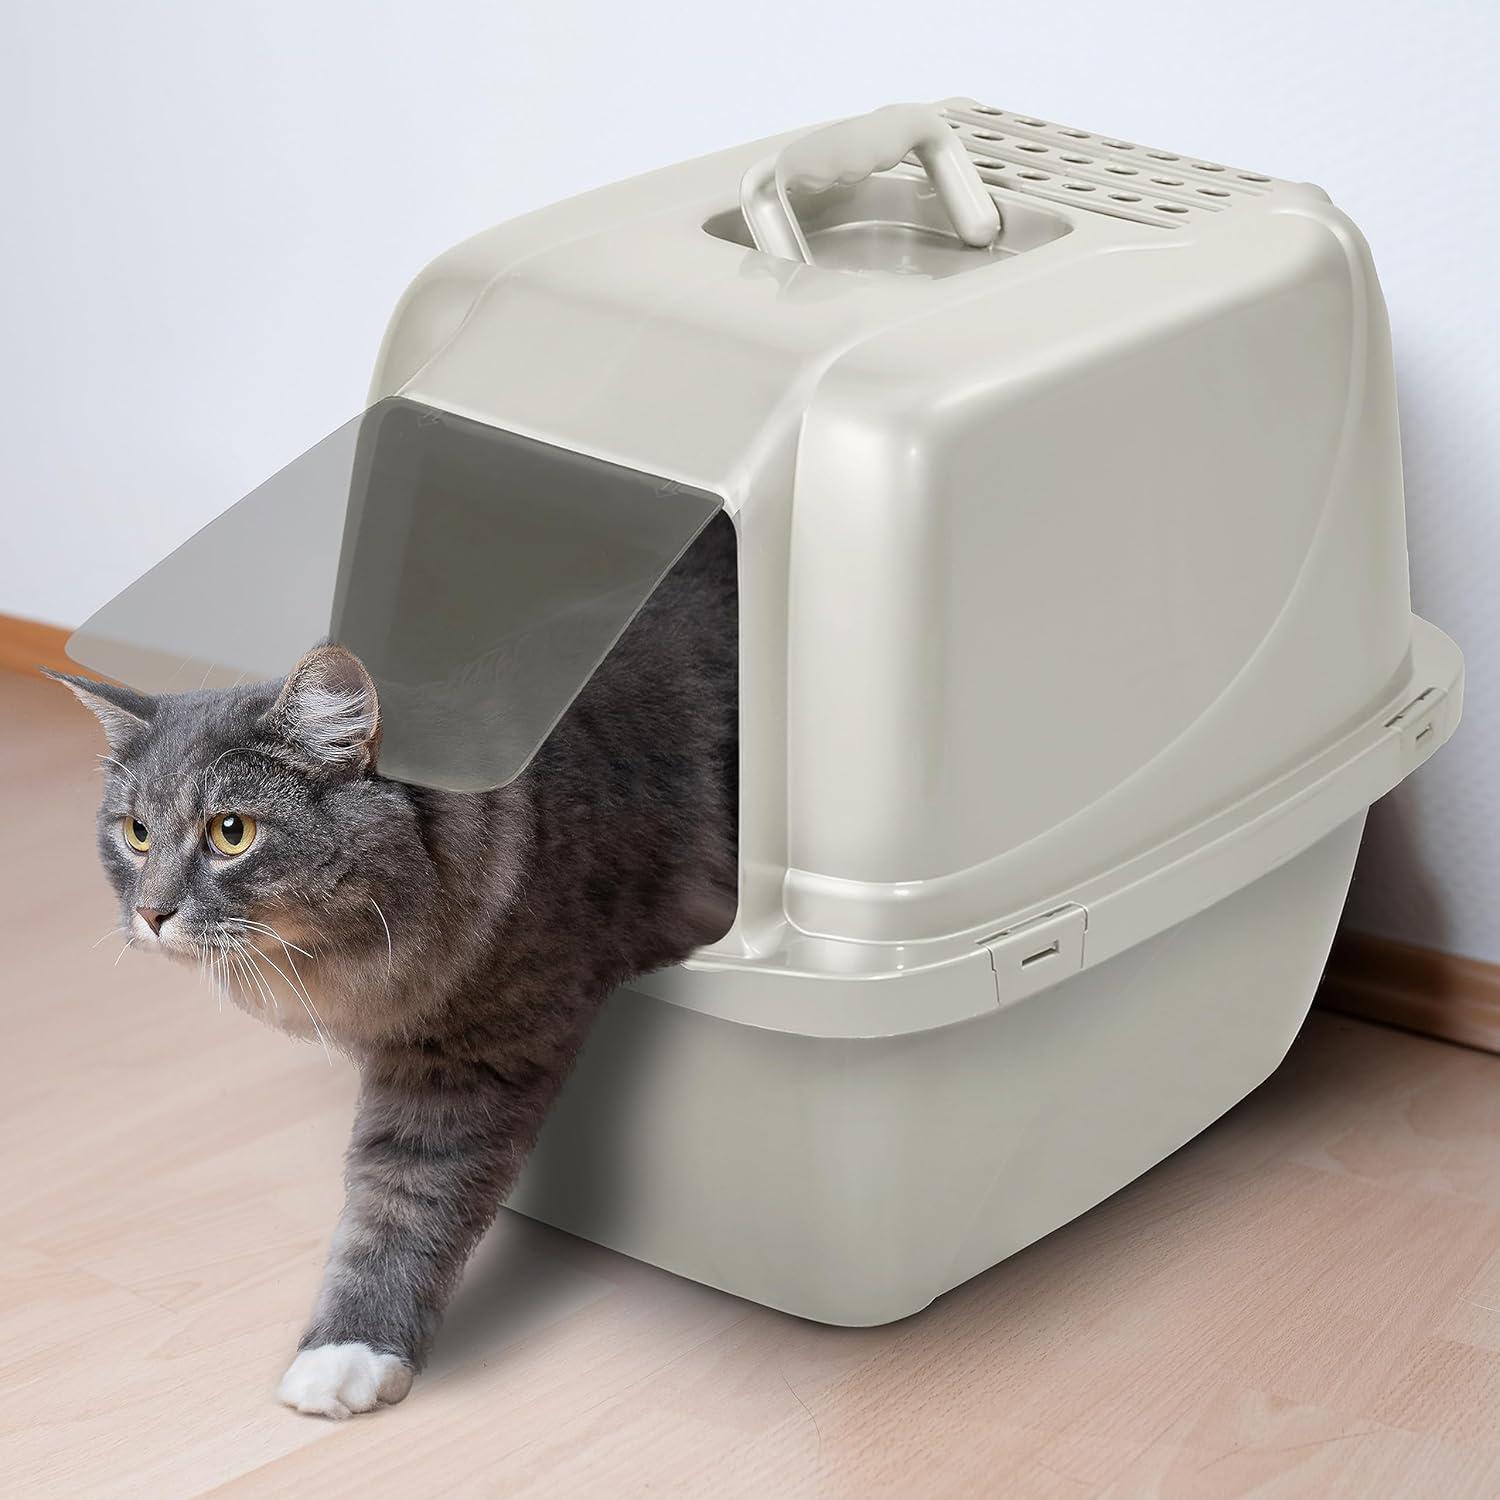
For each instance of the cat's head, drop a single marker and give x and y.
(246, 828)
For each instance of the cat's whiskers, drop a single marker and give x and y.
(270, 931)
(300, 990)
(124, 769)
(390, 958)
(208, 954)
(244, 977)
(221, 960)
(296, 987)
(212, 767)
(247, 958)
(123, 951)
(114, 931)
(251, 980)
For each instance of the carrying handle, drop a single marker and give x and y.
(851, 150)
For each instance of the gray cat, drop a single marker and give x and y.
(456, 946)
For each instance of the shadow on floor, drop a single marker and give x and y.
(524, 1277)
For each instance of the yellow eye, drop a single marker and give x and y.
(137, 835)
(231, 833)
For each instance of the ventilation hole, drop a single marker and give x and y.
(1213, 192)
(988, 135)
(1119, 145)
(1079, 187)
(1171, 208)
(1078, 135)
(988, 161)
(1035, 176)
(1079, 161)
(1162, 156)
(1121, 171)
(987, 109)
(1025, 121)
(1029, 146)
(1167, 181)
(1207, 166)
(955, 124)
(1252, 177)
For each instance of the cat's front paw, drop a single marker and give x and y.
(337, 1380)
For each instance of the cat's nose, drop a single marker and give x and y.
(154, 916)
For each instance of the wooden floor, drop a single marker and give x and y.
(1306, 1301)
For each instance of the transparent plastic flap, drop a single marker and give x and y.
(480, 576)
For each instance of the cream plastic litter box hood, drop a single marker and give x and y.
(1075, 642)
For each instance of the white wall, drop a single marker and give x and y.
(210, 209)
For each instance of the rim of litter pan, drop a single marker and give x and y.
(867, 990)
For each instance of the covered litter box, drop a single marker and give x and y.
(1075, 643)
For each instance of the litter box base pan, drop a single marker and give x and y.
(853, 1180)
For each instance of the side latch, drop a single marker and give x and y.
(1034, 955)
(1421, 725)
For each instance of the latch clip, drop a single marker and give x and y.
(1034, 955)
(1420, 725)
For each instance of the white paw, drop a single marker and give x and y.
(337, 1380)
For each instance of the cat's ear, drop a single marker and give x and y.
(121, 710)
(328, 708)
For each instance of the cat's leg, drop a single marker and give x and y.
(436, 1148)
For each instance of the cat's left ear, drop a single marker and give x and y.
(329, 709)
(121, 710)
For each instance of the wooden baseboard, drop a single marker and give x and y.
(28, 645)
(1439, 994)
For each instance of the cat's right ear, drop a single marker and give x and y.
(121, 710)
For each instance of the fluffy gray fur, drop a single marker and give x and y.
(457, 946)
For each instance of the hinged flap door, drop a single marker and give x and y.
(481, 576)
